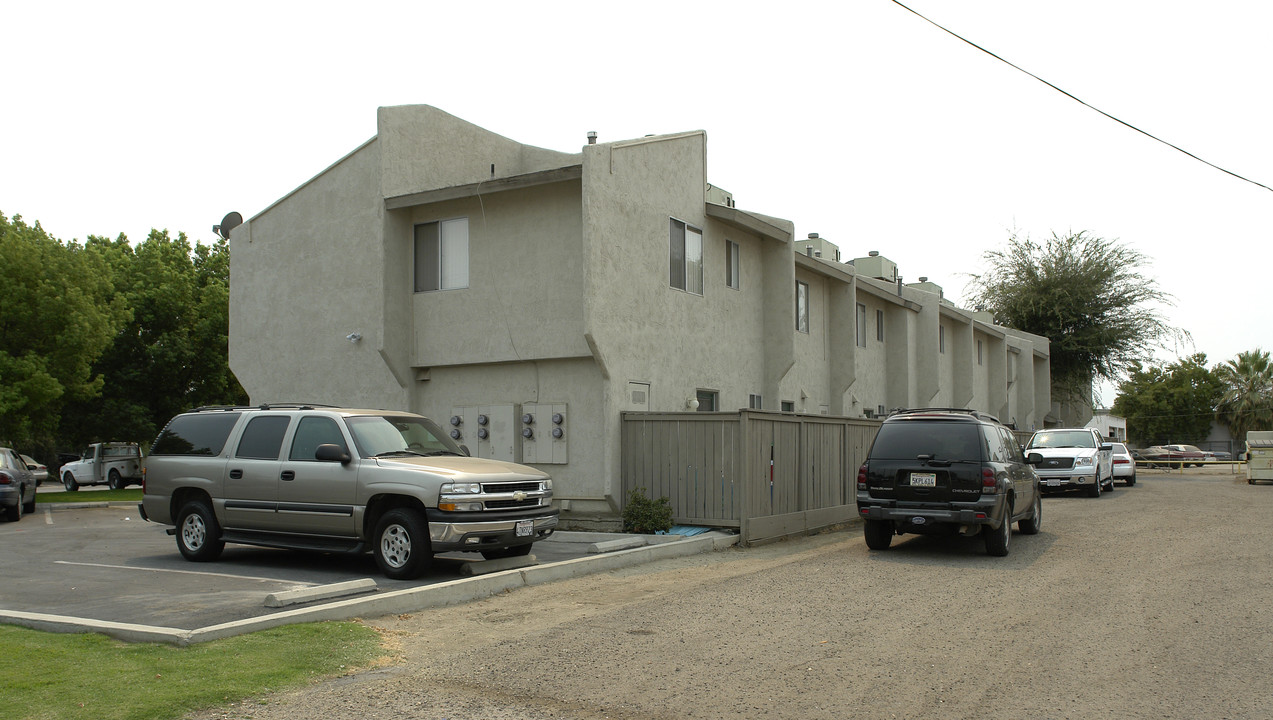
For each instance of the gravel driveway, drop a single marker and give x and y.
(1154, 601)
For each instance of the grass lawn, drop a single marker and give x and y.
(125, 495)
(53, 676)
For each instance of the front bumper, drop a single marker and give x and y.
(1066, 482)
(461, 531)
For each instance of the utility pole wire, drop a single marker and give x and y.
(1111, 117)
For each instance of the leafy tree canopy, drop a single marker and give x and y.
(1087, 295)
(1247, 399)
(1172, 403)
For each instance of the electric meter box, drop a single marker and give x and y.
(545, 433)
(489, 431)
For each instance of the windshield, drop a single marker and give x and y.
(381, 435)
(1062, 439)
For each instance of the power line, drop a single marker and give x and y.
(1075, 99)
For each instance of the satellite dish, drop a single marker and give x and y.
(228, 223)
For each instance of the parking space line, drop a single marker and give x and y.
(184, 572)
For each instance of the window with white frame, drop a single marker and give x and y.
(941, 338)
(442, 255)
(754, 402)
(732, 264)
(685, 257)
(861, 325)
(978, 352)
(707, 400)
(802, 306)
(879, 325)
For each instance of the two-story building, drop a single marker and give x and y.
(527, 297)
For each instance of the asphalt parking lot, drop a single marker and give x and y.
(106, 565)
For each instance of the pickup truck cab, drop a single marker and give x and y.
(116, 464)
(1072, 459)
(314, 477)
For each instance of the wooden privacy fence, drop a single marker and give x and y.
(767, 474)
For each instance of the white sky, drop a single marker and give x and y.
(856, 120)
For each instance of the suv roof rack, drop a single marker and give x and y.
(966, 411)
(262, 406)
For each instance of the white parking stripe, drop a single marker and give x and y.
(185, 572)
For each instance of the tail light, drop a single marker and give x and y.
(862, 477)
(989, 484)
(7, 479)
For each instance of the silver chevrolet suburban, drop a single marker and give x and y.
(338, 480)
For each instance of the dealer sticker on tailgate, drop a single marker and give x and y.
(923, 479)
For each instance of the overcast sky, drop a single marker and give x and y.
(857, 120)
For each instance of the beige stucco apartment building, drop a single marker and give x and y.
(525, 298)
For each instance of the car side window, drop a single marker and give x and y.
(313, 431)
(1014, 448)
(994, 441)
(263, 437)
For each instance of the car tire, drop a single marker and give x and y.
(68, 482)
(1031, 525)
(1131, 480)
(401, 544)
(515, 551)
(878, 533)
(999, 539)
(113, 480)
(14, 514)
(1094, 490)
(198, 533)
(29, 508)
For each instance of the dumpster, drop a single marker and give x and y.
(1259, 455)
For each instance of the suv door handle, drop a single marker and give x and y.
(288, 475)
(236, 474)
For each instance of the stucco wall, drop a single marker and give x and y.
(304, 274)
(525, 293)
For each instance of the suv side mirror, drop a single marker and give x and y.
(1034, 458)
(332, 453)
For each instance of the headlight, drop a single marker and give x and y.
(448, 506)
(1082, 461)
(461, 488)
(548, 484)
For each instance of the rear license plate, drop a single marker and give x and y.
(525, 528)
(1054, 482)
(923, 479)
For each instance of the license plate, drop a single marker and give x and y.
(923, 479)
(1054, 482)
(525, 528)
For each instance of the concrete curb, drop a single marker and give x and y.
(394, 602)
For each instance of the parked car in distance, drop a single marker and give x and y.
(1189, 452)
(38, 469)
(331, 479)
(1217, 455)
(1124, 465)
(946, 472)
(1171, 456)
(1073, 459)
(17, 486)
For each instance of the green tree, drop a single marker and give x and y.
(1087, 295)
(173, 354)
(1247, 400)
(1172, 403)
(58, 313)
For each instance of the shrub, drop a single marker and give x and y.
(646, 516)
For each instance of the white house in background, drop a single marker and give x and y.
(529, 297)
(1110, 426)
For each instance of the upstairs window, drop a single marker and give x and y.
(861, 326)
(442, 255)
(732, 264)
(802, 306)
(879, 325)
(685, 257)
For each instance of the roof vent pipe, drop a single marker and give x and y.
(813, 236)
(874, 253)
(923, 279)
(592, 137)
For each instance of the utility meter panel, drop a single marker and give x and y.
(489, 431)
(545, 432)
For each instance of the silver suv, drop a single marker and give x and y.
(338, 480)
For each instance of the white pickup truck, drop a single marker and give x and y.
(115, 464)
